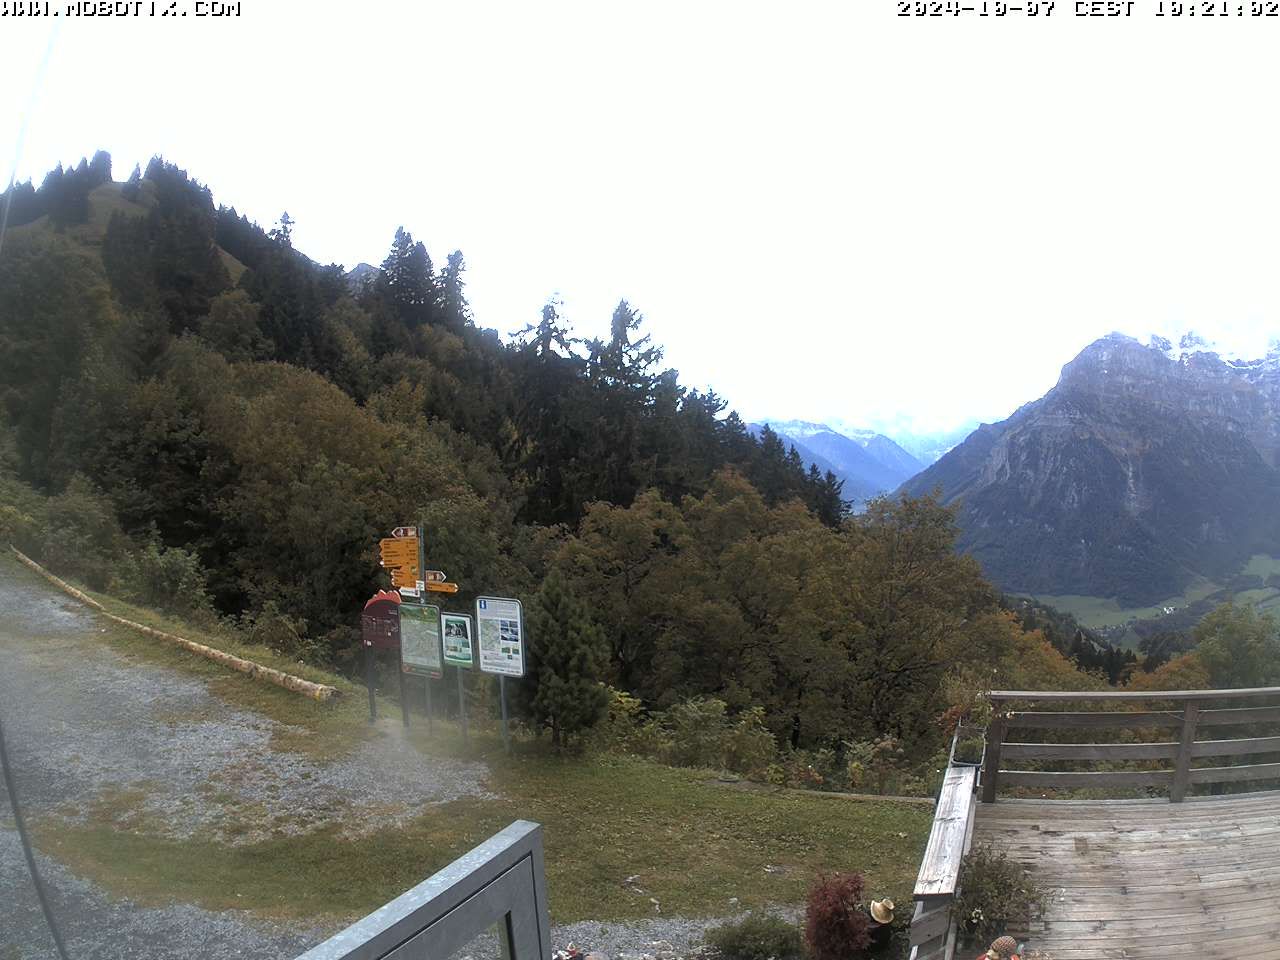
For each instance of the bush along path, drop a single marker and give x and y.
(175, 803)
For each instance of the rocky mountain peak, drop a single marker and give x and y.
(1147, 465)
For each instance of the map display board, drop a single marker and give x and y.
(500, 630)
(457, 639)
(420, 640)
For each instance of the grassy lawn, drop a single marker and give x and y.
(691, 842)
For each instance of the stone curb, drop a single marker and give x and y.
(316, 691)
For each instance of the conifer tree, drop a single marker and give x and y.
(133, 185)
(283, 233)
(100, 169)
(566, 652)
(829, 502)
(407, 281)
(453, 301)
(20, 205)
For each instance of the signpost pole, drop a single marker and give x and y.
(422, 568)
(427, 681)
(462, 705)
(368, 678)
(502, 695)
(404, 700)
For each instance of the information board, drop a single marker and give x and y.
(457, 639)
(500, 631)
(420, 640)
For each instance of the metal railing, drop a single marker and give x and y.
(501, 881)
(1191, 714)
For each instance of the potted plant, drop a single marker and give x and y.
(968, 745)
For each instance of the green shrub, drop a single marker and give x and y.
(271, 627)
(171, 579)
(875, 765)
(16, 527)
(750, 747)
(758, 937)
(926, 779)
(82, 538)
(699, 733)
(996, 893)
(623, 717)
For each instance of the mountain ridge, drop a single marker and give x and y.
(869, 465)
(1134, 474)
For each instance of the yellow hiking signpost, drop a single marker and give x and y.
(399, 555)
(494, 641)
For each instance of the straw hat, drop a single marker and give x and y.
(882, 911)
(1003, 948)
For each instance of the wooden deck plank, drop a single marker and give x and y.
(1141, 880)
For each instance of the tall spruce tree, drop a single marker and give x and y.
(407, 281)
(453, 300)
(566, 654)
(132, 186)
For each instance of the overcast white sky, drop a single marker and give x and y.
(824, 210)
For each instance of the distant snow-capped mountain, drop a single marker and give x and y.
(869, 464)
(925, 446)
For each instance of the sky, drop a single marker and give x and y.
(825, 211)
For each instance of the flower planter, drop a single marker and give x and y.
(968, 746)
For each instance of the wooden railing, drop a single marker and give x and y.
(933, 928)
(1194, 710)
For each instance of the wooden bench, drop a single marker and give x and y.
(933, 929)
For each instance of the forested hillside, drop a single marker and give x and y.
(196, 414)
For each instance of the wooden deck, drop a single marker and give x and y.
(1130, 880)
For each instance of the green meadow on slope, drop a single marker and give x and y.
(1257, 584)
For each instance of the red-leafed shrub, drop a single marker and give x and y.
(835, 925)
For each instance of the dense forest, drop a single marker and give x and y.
(195, 414)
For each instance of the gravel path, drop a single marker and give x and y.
(82, 721)
(95, 927)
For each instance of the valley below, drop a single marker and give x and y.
(1257, 584)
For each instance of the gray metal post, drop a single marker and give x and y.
(368, 677)
(427, 681)
(462, 706)
(404, 700)
(502, 695)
